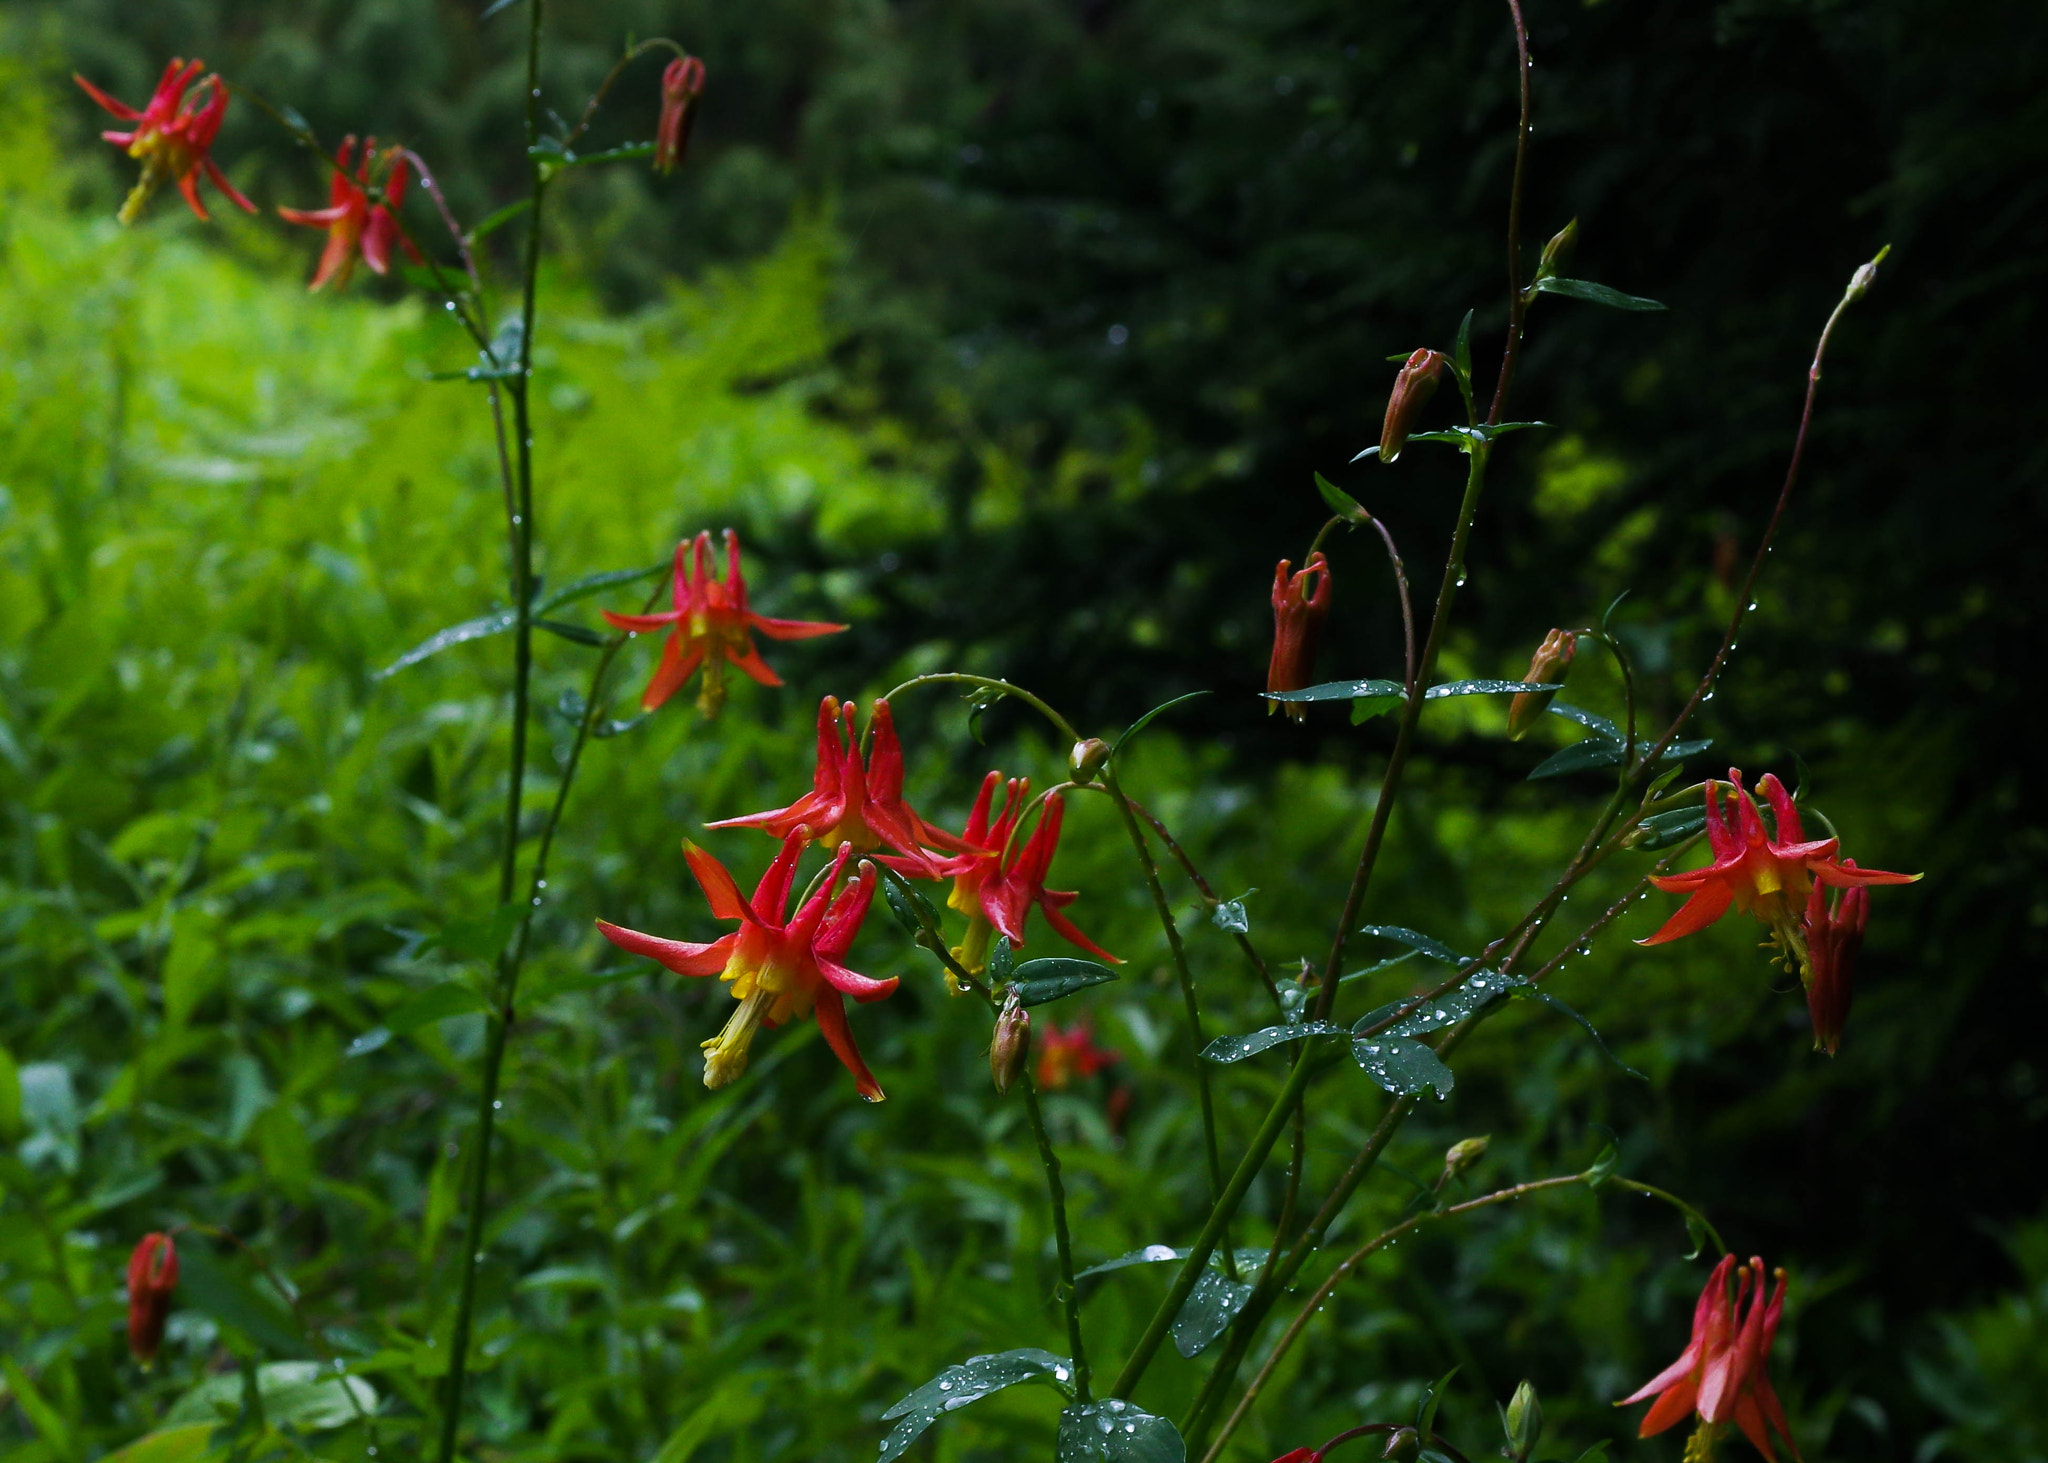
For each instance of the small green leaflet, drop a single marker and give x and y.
(1340, 691)
(1146, 720)
(1039, 981)
(970, 1381)
(1116, 1431)
(1478, 991)
(912, 910)
(1208, 1311)
(1341, 503)
(1230, 915)
(1485, 688)
(1585, 719)
(1665, 829)
(1402, 1065)
(476, 629)
(1416, 941)
(1227, 1049)
(1598, 294)
(1600, 751)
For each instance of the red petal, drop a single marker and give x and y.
(1695, 914)
(220, 181)
(717, 884)
(319, 218)
(1842, 876)
(1673, 1407)
(377, 241)
(839, 1036)
(680, 956)
(771, 895)
(860, 987)
(188, 184)
(674, 669)
(752, 666)
(791, 629)
(1064, 928)
(639, 624)
(119, 108)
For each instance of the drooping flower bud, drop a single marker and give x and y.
(1087, 758)
(1464, 1153)
(1412, 388)
(682, 82)
(1298, 615)
(1548, 666)
(1011, 1047)
(1524, 1423)
(1557, 254)
(152, 1275)
(1833, 938)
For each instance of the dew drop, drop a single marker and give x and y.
(945, 1386)
(497, 1104)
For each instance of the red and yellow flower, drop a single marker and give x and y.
(355, 226)
(1757, 871)
(152, 1276)
(1301, 602)
(779, 969)
(1721, 1374)
(1834, 935)
(711, 627)
(859, 805)
(173, 135)
(1067, 1055)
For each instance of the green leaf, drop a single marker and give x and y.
(1039, 981)
(1585, 719)
(1002, 961)
(590, 584)
(912, 910)
(1479, 990)
(37, 1409)
(1662, 830)
(494, 623)
(1365, 708)
(1115, 1431)
(11, 1125)
(1603, 1165)
(210, 1285)
(1484, 688)
(581, 634)
(1426, 1409)
(554, 160)
(435, 1003)
(1531, 993)
(1600, 751)
(168, 1445)
(1461, 355)
(1209, 1309)
(1230, 916)
(1340, 691)
(1402, 1065)
(1146, 720)
(300, 1394)
(1598, 294)
(1341, 503)
(1418, 942)
(970, 1381)
(495, 221)
(1226, 1049)
(1150, 1255)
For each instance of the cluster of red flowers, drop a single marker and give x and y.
(1720, 1375)
(782, 968)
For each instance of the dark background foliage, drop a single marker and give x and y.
(1144, 261)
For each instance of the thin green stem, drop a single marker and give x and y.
(1209, 895)
(520, 529)
(1056, 1193)
(1164, 909)
(1007, 688)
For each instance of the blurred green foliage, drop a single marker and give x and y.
(912, 235)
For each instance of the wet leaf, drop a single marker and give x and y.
(912, 910)
(1586, 719)
(1150, 1255)
(1339, 691)
(1341, 503)
(1598, 294)
(1236, 1048)
(1484, 688)
(1662, 830)
(1402, 1065)
(494, 623)
(1418, 942)
(1209, 1309)
(1479, 990)
(301, 1394)
(1230, 915)
(970, 1381)
(580, 634)
(591, 584)
(1115, 1431)
(1039, 981)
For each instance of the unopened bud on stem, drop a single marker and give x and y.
(1412, 389)
(1012, 1044)
(1524, 1423)
(1548, 666)
(1464, 1153)
(1087, 758)
(1557, 254)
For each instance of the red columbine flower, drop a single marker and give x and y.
(354, 225)
(1833, 936)
(1758, 873)
(778, 969)
(1298, 616)
(853, 804)
(152, 1276)
(713, 628)
(172, 136)
(1064, 1055)
(1721, 1374)
(682, 82)
(1008, 898)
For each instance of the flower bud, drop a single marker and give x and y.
(1298, 615)
(1401, 1440)
(682, 82)
(1464, 1153)
(1011, 1046)
(1557, 254)
(1412, 388)
(1524, 1423)
(1087, 758)
(152, 1275)
(1548, 666)
(1833, 937)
